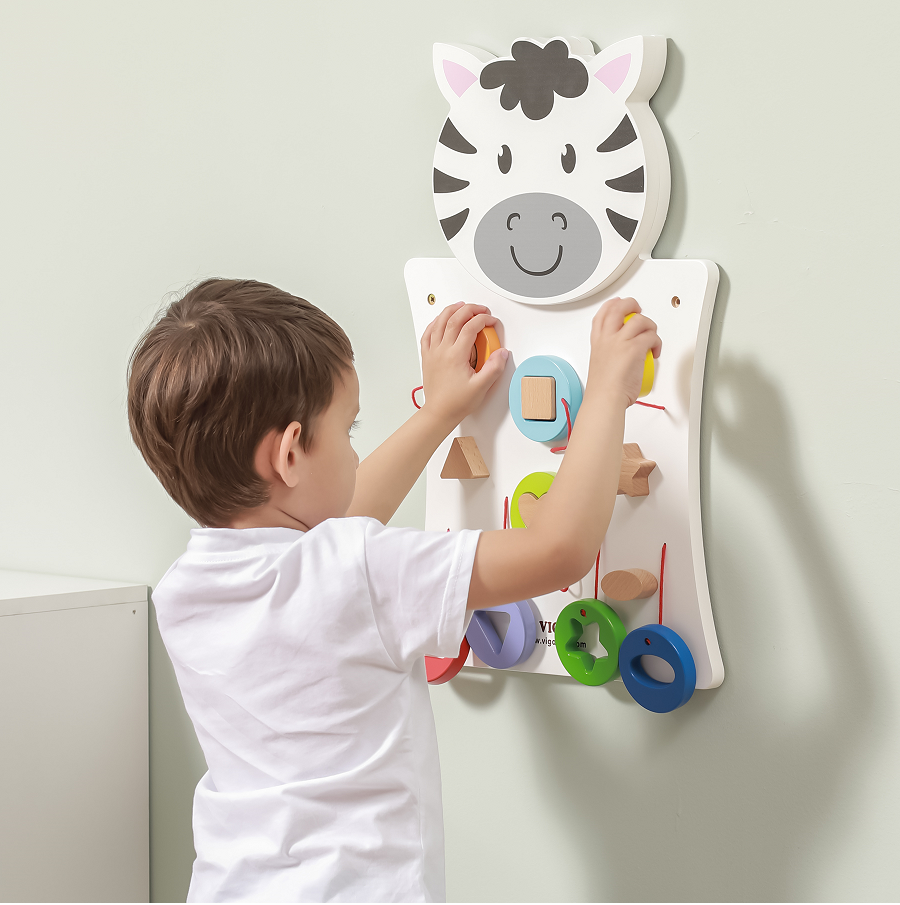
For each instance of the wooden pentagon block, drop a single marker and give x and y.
(629, 584)
(539, 398)
(464, 460)
(635, 469)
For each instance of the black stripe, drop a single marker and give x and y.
(452, 225)
(630, 182)
(451, 138)
(622, 135)
(444, 183)
(623, 225)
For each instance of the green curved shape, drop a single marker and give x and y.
(538, 483)
(570, 626)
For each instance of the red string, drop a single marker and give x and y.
(597, 578)
(650, 405)
(506, 512)
(416, 390)
(662, 572)
(557, 449)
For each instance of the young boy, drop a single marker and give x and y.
(296, 622)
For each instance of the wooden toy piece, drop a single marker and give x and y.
(534, 485)
(439, 670)
(579, 663)
(627, 584)
(566, 385)
(464, 460)
(528, 503)
(486, 343)
(649, 369)
(657, 641)
(539, 398)
(515, 648)
(635, 469)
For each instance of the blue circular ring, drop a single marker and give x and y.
(568, 387)
(657, 641)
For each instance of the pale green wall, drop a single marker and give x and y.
(146, 145)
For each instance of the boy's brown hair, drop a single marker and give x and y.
(223, 366)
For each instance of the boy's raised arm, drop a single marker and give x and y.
(560, 545)
(452, 390)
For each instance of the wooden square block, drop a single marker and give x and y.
(539, 398)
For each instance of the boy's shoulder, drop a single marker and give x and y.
(215, 551)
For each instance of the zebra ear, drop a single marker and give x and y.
(631, 69)
(457, 67)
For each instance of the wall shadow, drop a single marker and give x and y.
(726, 799)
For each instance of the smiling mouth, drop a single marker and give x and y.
(535, 273)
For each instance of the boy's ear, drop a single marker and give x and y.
(287, 455)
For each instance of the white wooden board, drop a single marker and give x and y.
(551, 184)
(640, 525)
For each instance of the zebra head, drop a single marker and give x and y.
(551, 173)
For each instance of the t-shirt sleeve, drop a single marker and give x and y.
(419, 585)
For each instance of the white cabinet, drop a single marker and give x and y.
(74, 800)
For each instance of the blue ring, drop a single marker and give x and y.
(659, 697)
(568, 387)
(516, 647)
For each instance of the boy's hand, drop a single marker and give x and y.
(618, 349)
(452, 388)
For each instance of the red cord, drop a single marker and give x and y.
(649, 405)
(557, 449)
(505, 511)
(662, 572)
(597, 578)
(416, 390)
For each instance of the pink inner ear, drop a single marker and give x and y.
(613, 73)
(459, 78)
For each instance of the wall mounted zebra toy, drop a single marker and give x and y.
(551, 173)
(551, 185)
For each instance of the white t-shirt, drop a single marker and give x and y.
(300, 659)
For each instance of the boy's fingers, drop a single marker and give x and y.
(493, 367)
(460, 318)
(637, 325)
(425, 341)
(474, 326)
(650, 337)
(439, 324)
(615, 310)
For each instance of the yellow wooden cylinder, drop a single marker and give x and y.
(649, 369)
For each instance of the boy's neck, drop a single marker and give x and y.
(267, 516)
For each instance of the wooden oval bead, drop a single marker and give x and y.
(629, 584)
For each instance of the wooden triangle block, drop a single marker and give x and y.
(464, 460)
(635, 469)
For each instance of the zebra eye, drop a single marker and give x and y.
(568, 159)
(504, 159)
